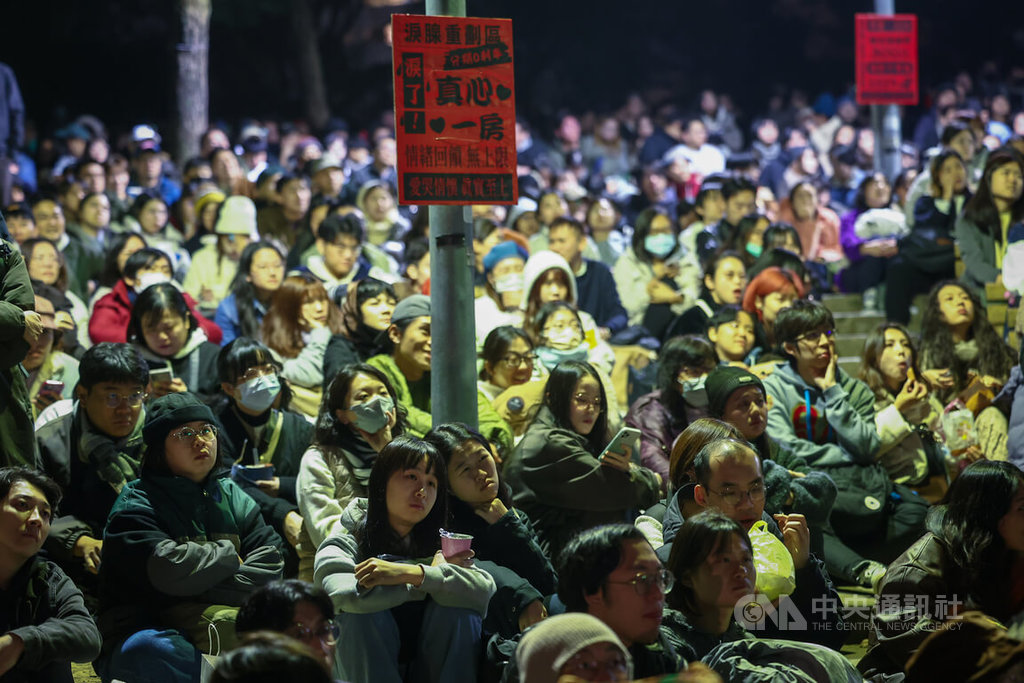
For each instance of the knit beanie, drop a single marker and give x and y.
(173, 410)
(723, 381)
(545, 648)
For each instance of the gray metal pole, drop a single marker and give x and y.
(885, 120)
(452, 321)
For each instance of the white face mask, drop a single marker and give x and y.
(511, 282)
(146, 280)
(563, 338)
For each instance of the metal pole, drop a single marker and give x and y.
(885, 120)
(452, 321)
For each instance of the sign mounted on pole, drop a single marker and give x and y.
(455, 110)
(886, 59)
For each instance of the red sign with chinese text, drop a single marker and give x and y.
(886, 59)
(455, 110)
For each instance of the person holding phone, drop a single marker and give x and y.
(393, 588)
(52, 374)
(558, 472)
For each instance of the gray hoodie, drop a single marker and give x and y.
(841, 420)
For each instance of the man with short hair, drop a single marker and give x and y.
(295, 608)
(92, 451)
(740, 199)
(43, 619)
(729, 479)
(283, 222)
(595, 286)
(383, 166)
(21, 224)
(612, 573)
(828, 418)
(408, 369)
(339, 260)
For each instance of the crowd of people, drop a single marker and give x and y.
(217, 446)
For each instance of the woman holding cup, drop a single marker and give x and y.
(392, 586)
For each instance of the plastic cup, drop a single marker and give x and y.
(453, 544)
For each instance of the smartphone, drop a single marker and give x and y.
(627, 436)
(161, 375)
(51, 386)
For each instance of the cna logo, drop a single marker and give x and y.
(753, 610)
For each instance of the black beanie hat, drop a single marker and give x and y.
(723, 381)
(173, 410)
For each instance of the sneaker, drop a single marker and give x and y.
(870, 299)
(870, 575)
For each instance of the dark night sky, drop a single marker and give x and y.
(116, 60)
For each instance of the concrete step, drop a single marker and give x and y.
(850, 344)
(843, 303)
(858, 323)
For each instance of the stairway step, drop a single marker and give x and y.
(858, 323)
(850, 364)
(850, 344)
(843, 303)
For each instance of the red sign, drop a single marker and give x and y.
(455, 110)
(886, 59)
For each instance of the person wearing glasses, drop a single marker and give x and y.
(295, 608)
(184, 546)
(729, 478)
(713, 564)
(511, 379)
(92, 451)
(559, 474)
(827, 417)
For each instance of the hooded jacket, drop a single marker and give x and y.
(110, 316)
(828, 429)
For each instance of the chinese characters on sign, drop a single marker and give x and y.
(454, 110)
(886, 59)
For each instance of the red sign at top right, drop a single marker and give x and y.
(887, 59)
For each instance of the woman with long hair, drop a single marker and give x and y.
(120, 245)
(663, 414)
(997, 208)
(653, 284)
(971, 557)
(928, 254)
(906, 412)
(151, 216)
(359, 416)
(365, 318)
(555, 471)
(772, 290)
(480, 504)
(817, 225)
(260, 272)
(388, 578)
(297, 327)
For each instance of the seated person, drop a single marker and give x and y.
(145, 267)
(169, 337)
(92, 452)
(714, 564)
(560, 334)
(662, 415)
(907, 414)
(215, 265)
(365, 318)
(359, 416)
(611, 572)
(770, 291)
(268, 657)
(573, 645)
(731, 330)
(260, 272)
(294, 608)
(44, 625)
(740, 196)
(407, 368)
(725, 278)
(182, 549)
(339, 260)
(400, 601)
(480, 504)
(969, 556)
(52, 374)
(595, 286)
(555, 473)
(255, 433)
(958, 344)
(502, 297)
(729, 479)
(827, 418)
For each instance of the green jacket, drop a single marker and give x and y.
(418, 421)
(17, 438)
